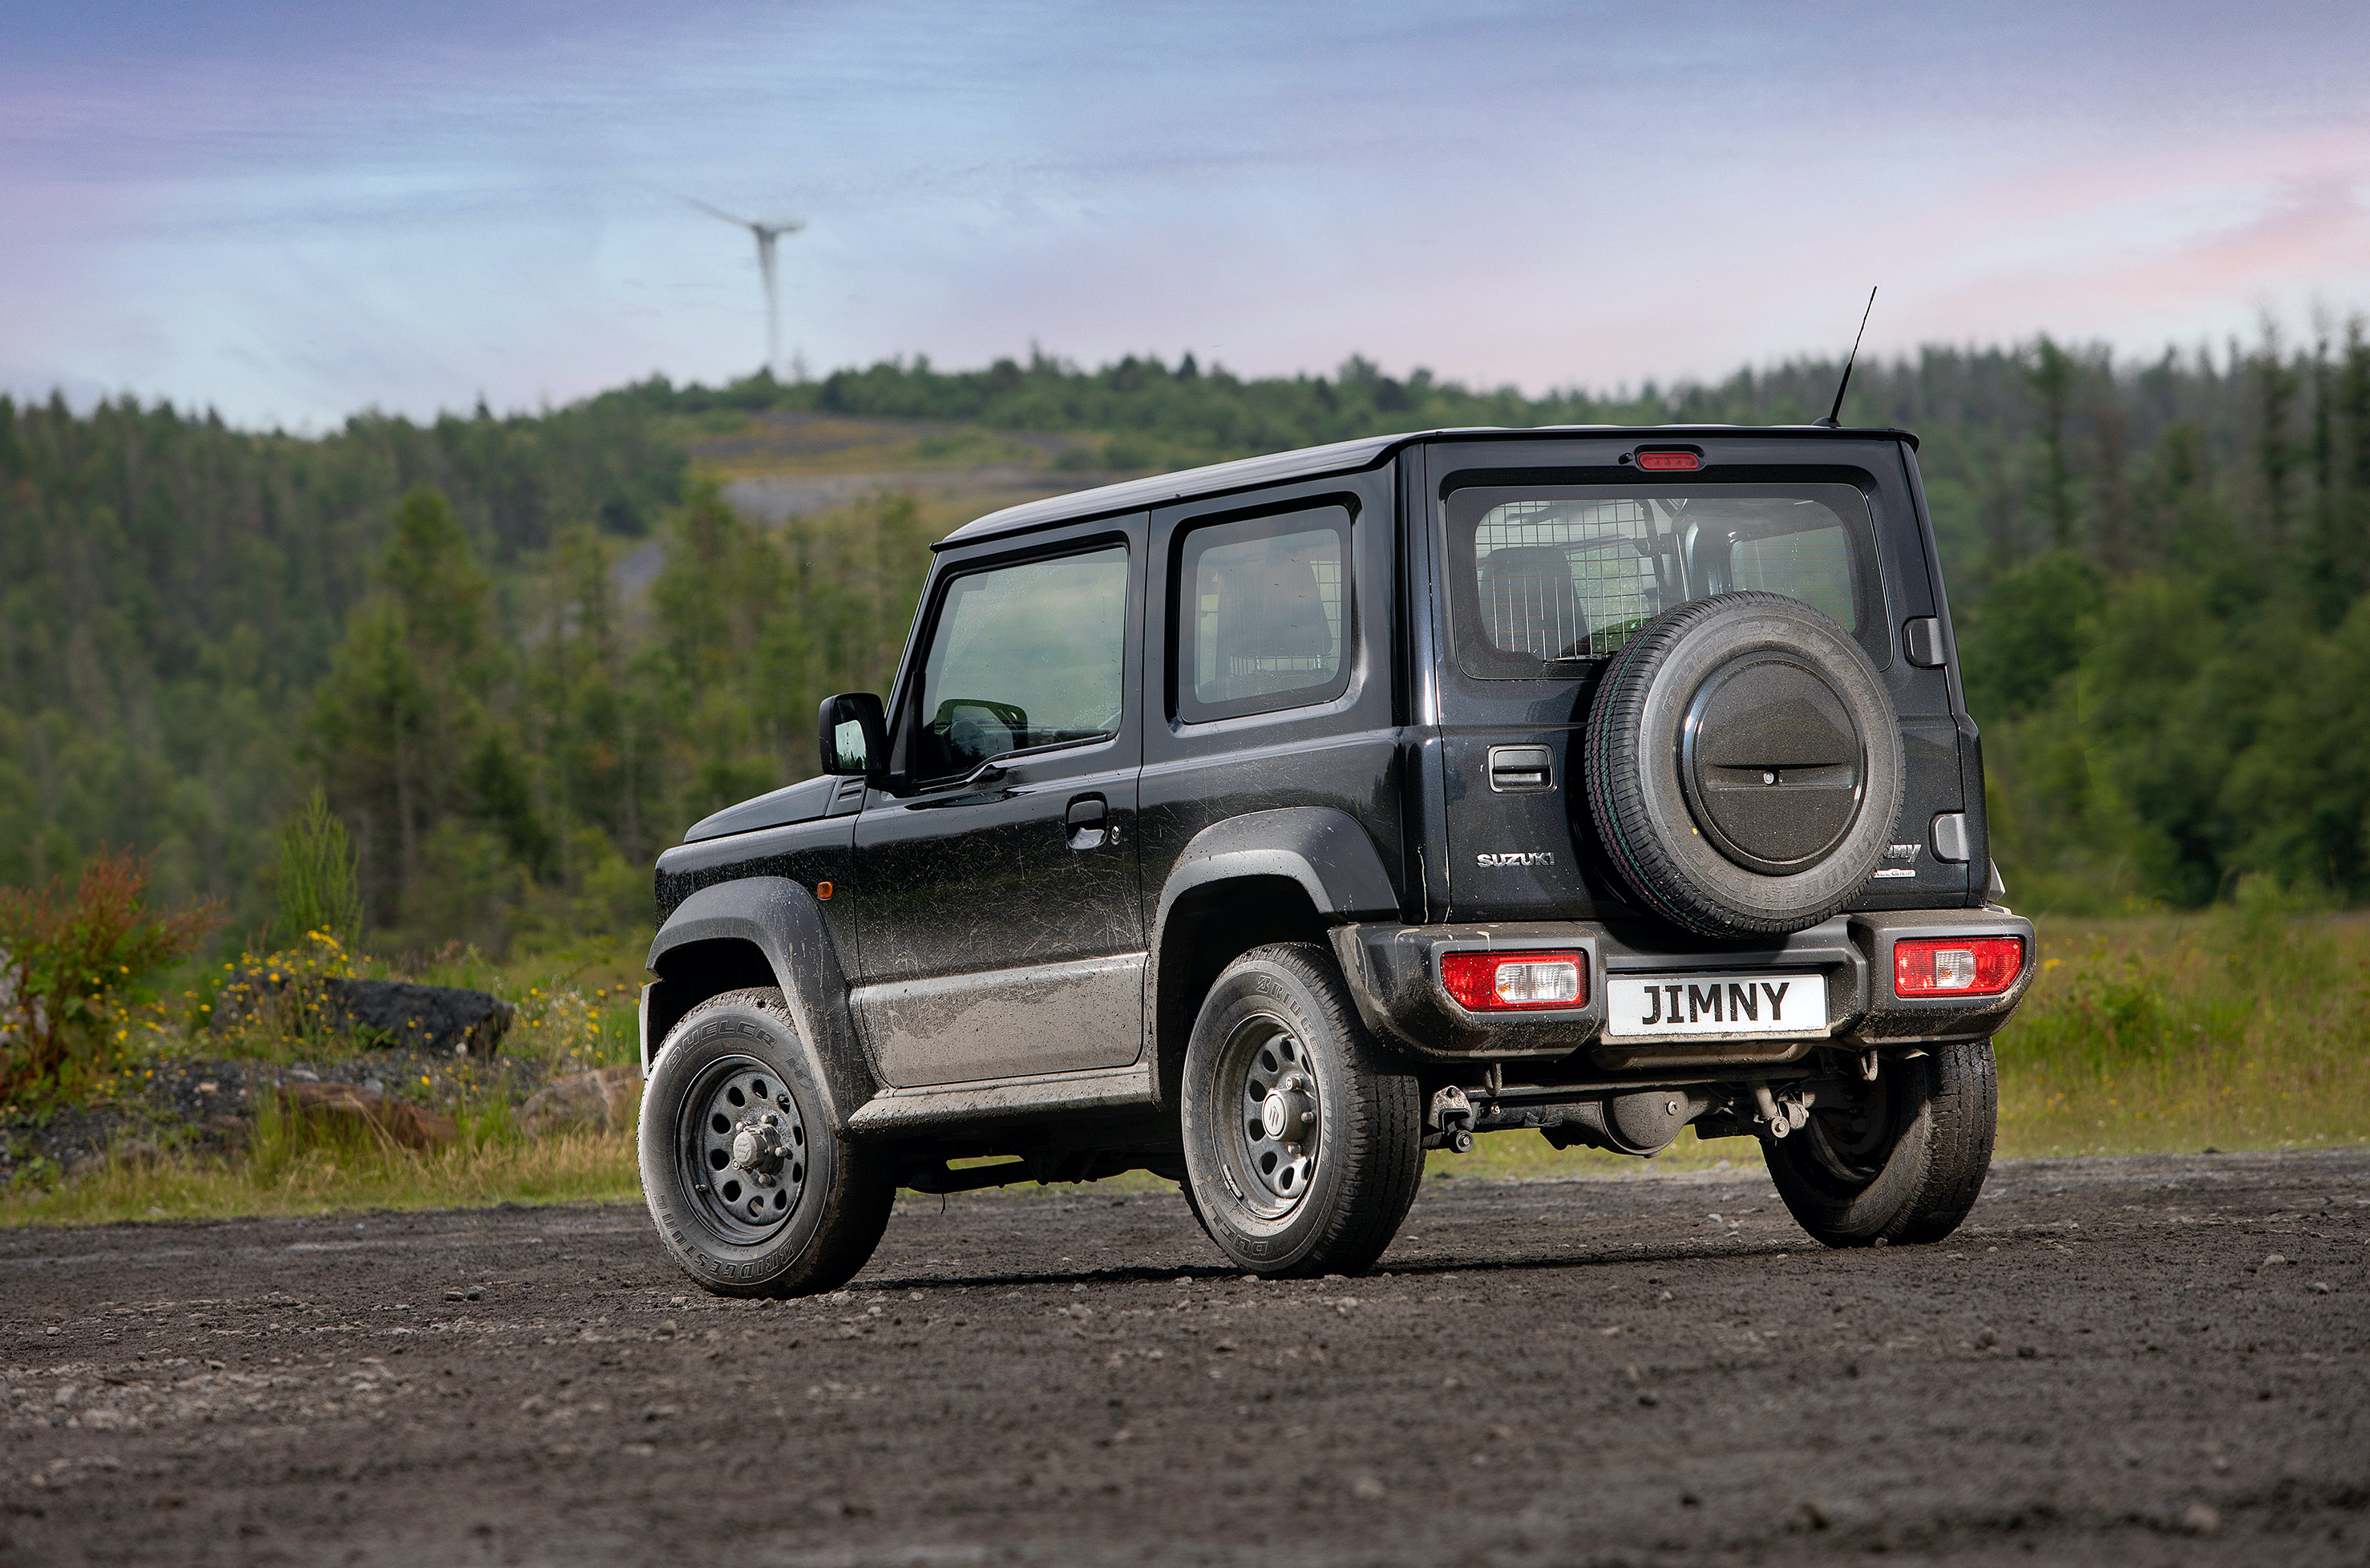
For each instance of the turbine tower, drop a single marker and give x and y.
(767, 234)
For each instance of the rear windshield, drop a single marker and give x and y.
(1545, 578)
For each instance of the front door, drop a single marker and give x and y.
(999, 923)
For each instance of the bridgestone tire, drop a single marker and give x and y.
(843, 1192)
(1640, 805)
(1914, 1172)
(1342, 1210)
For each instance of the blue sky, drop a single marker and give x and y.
(292, 211)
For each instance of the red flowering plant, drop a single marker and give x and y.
(70, 963)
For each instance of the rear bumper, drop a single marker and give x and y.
(1394, 974)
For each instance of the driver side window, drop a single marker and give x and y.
(1023, 657)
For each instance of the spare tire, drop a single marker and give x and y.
(1743, 766)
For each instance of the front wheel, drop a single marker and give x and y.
(1903, 1158)
(1304, 1141)
(753, 1192)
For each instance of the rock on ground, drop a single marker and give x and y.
(603, 1100)
(446, 1020)
(384, 1115)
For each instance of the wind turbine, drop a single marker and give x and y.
(767, 234)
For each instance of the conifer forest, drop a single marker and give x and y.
(520, 654)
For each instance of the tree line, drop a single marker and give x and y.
(2159, 569)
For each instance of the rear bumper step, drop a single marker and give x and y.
(1394, 973)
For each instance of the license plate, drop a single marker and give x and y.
(1652, 1007)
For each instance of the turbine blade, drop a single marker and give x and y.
(713, 210)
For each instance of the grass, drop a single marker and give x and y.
(2244, 1027)
(300, 1166)
(576, 1009)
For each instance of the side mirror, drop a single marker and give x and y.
(853, 734)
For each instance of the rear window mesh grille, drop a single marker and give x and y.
(1561, 580)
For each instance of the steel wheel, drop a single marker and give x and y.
(1904, 1162)
(1304, 1139)
(1852, 1142)
(741, 1148)
(1267, 1074)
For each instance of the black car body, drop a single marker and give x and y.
(1340, 698)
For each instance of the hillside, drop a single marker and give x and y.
(524, 652)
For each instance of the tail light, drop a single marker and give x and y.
(1492, 982)
(1957, 966)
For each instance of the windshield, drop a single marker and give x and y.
(1546, 578)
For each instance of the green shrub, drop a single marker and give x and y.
(318, 889)
(71, 965)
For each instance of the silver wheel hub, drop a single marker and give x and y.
(1288, 1114)
(1271, 1146)
(757, 1149)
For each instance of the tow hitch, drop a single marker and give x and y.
(1450, 1125)
(1779, 1117)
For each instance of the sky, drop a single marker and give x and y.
(291, 210)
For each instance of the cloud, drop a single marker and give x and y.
(300, 210)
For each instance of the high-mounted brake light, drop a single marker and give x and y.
(1959, 966)
(1489, 983)
(1669, 462)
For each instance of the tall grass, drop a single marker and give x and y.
(317, 890)
(315, 1165)
(2243, 1028)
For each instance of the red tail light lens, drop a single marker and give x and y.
(1669, 462)
(1956, 966)
(1493, 982)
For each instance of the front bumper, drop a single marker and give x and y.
(1394, 974)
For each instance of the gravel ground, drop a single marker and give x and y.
(2143, 1360)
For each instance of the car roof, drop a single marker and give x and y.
(1337, 457)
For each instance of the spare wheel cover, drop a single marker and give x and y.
(1743, 765)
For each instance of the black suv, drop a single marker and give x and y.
(1267, 825)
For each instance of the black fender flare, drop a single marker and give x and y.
(1326, 851)
(1323, 848)
(782, 920)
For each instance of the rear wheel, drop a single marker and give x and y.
(752, 1191)
(1302, 1139)
(1903, 1160)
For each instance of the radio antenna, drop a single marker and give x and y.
(1835, 416)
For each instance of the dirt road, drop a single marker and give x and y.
(2108, 1364)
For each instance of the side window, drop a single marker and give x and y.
(1262, 613)
(1022, 656)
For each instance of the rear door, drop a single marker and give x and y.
(999, 919)
(1550, 555)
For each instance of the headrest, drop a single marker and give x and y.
(1528, 601)
(1270, 608)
